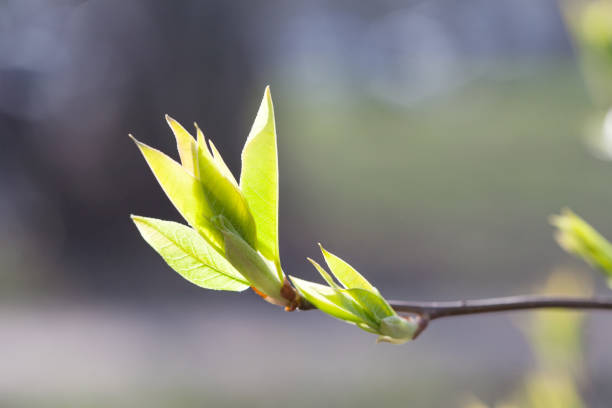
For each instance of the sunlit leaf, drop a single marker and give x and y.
(577, 237)
(224, 197)
(221, 166)
(372, 303)
(201, 140)
(324, 274)
(333, 302)
(397, 329)
(252, 266)
(345, 273)
(259, 179)
(184, 191)
(190, 255)
(367, 328)
(186, 145)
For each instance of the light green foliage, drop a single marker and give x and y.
(593, 25)
(259, 179)
(187, 147)
(184, 191)
(345, 273)
(254, 267)
(333, 302)
(223, 196)
(590, 23)
(190, 255)
(372, 302)
(225, 250)
(221, 166)
(216, 156)
(395, 329)
(359, 302)
(234, 240)
(577, 237)
(324, 274)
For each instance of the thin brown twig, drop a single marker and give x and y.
(435, 310)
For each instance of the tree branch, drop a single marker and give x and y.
(423, 312)
(435, 310)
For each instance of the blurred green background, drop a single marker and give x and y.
(426, 142)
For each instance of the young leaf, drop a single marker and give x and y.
(253, 267)
(373, 303)
(397, 330)
(186, 145)
(224, 197)
(345, 273)
(367, 328)
(324, 274)
(190, 255)
(201, 140)
(216, 156)
(259, 179)
(184, 191)
(333, 302)
(221, 166)
(577, 237)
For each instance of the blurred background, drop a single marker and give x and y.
(426, 142)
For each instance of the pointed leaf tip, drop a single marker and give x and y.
(323, 273)
(345, 273)
(183, 190)
(220, 163)
(186, 146)
(259, 179)
(201, 139)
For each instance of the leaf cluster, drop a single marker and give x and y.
(231, 240)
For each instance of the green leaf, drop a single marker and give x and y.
(259, 179)
(577, 237)
(252, 266)
(201, 140)
(221, 166)
(345, 273)
(368, 328)
(184, 191)
(397, 330)
(190, 255)
(373, 303)
(333, 302)
(324, 274)
(224, 197)
(186, 145)
(216, 156)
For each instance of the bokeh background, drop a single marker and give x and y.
(426, 142)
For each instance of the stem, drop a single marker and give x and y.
(434, 310)
(423, 312)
